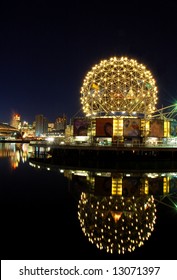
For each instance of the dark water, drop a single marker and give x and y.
(39, 211)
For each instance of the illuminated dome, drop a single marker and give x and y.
(117, 224)
(118, 85)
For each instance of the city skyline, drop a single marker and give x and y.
(46, 50)
(22, 120)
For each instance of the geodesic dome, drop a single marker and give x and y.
(118, 85)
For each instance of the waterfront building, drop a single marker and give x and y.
(41, 125)
(119, 103)
(16, 120)
(50, 126)
(68, 132)
(8, 132)
(56, 131)
(60, 123)
(27, 130)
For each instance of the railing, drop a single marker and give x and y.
(123, 145)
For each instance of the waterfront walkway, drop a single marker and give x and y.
(94, 155)
(120, 147)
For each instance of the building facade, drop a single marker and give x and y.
(41, 125)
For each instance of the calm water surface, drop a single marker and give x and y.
(65, 213)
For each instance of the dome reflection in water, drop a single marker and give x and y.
(117, 224)
(117, 210)
(121, 220)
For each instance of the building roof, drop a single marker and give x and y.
(9, 132)
(7, 128)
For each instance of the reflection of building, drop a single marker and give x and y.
(117, 224)
(117, 211)
(124, 184)
(16, 152)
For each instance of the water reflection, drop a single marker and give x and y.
(117, 224)
(117, 210)
(16, 152)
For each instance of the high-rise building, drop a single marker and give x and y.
(27, 130)
(60, 123)
(16, 121)
(41, 127)
(50, 126)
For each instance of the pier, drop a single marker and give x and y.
(107, 156)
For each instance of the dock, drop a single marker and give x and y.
(137, 156)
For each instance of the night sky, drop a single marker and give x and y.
(47, 48)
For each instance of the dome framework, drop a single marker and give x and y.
(118, 85)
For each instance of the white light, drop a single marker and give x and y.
(50, 139)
